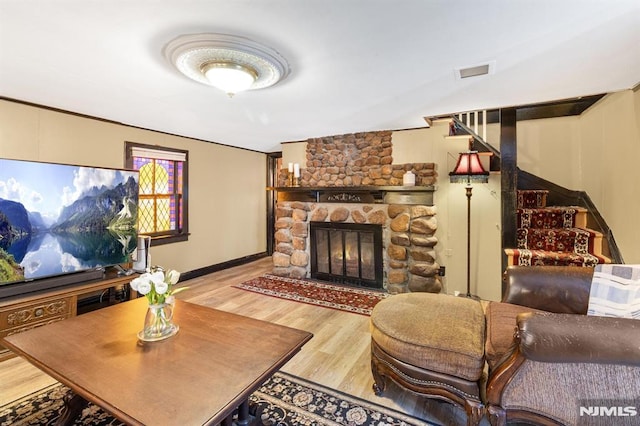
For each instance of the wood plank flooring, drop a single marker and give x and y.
(337, 356)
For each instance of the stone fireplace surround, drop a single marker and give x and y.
(407, 240)
(351, 162)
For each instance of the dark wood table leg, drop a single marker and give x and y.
(256, 412)
(243, 414)
(73, 406)
(248, 415)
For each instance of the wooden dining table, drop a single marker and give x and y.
(202, 375)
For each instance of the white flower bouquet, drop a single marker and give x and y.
(157, 285)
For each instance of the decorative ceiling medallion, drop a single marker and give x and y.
(196, 54)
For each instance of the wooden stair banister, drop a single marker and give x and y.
(479, 143)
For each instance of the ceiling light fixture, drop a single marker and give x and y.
(230, 63)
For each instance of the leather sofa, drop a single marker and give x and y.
(547, 358)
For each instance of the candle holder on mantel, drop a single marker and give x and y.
(293, 177)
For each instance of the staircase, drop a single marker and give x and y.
(558, 235)
(553, 235)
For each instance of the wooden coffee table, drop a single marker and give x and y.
(202, 375)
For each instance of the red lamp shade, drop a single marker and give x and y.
(469, 169)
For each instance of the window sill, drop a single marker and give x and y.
(161, 240)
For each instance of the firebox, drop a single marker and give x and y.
(347, 253)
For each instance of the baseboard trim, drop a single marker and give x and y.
(221, 266)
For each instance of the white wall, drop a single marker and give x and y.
(227, 199)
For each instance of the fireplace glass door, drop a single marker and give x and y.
(347, 253)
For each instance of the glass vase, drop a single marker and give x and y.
(158, 323)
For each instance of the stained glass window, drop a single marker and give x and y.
(162, 192)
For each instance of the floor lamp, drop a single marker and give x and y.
(469, 169)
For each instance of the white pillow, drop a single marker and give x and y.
(615, 291)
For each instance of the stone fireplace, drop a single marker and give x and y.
(351, 179)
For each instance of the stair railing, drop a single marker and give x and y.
(465, 119)
(461, 125)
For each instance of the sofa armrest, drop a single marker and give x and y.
(547, 337)
(559, 289)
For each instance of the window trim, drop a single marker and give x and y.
(173, 154)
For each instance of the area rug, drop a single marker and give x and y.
(344, 298)
(283, 400)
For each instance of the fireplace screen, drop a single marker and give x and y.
(347, 253)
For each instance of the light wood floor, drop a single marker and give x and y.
(337, 356)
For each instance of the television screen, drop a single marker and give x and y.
(59, 219)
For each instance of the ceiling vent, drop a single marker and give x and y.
(475, 71)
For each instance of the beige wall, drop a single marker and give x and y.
(610, 171)
(596, 152)
(227, 199)
(429, 145)
(549, 148)
(295, 152)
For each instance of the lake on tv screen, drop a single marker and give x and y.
(53, 254)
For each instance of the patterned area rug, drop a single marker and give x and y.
(283, 400)
(344, 298)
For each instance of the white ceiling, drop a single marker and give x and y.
(356, 65)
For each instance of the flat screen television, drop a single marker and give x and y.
(58, 221)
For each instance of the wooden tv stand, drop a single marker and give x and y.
(23, 312)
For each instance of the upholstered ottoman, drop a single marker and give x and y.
(431, 344)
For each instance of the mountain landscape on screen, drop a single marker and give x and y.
(58, 219)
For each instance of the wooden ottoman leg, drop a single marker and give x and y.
(475, 412)
(379, 379)
(497, 416)
(463, 393)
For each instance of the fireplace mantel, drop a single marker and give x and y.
(357, 194)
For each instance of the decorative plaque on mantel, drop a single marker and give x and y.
(362, 194)
(346, 197)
